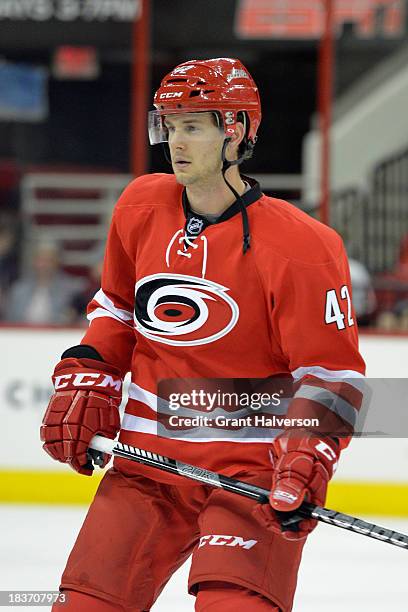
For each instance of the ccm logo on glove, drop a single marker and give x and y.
(86, 402)
(302, 468)
(328, 452)
(86, 379)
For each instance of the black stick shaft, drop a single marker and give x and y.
(212, 479)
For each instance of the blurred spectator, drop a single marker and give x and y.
(364, 300)
(392, 289)
(44, 293)
(401, 307)
(8, 255)
(81, 299)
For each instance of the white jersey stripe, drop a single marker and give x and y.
(329, 400)
(98, 313)
(158, 404)
(148, 426)
(353, 378)
(144, 396)
(106, 303)
(324, 373)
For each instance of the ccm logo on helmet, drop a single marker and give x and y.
(226, 540)
(171, 94)
(86, 379)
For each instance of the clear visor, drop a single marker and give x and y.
(158, 132)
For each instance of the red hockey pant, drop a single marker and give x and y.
(138, 532)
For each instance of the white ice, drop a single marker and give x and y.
(340, 571)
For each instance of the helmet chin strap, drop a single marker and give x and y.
(166, 152)
(246, 240)
(245, 222)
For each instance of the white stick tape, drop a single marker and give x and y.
(102, 444)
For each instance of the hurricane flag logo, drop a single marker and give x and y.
(183, 310)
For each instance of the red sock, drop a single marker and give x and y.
(82, 602)
(229, 597)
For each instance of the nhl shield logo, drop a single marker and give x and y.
(194, 226)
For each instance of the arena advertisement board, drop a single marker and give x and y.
(25, 388)
(70, 10)
(23, 92)
(304, 19)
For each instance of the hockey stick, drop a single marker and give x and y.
(306, 510)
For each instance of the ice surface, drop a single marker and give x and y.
(340, 570)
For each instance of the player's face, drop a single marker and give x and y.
(195, 144)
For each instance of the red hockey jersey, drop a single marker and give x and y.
(179, 300)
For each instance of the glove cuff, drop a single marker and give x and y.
(82, 351)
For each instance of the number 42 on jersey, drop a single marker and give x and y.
(333, 312)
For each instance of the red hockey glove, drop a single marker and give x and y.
(87, 397)
(303, 468)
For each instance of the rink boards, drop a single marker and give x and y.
(372, 477)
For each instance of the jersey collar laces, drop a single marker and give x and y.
(185, 241)
(189, 238)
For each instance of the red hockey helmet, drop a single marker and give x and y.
(222, 85)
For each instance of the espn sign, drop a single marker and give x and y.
(304, 19)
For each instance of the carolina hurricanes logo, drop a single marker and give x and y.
(183, 310)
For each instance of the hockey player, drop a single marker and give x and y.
(205, 278)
